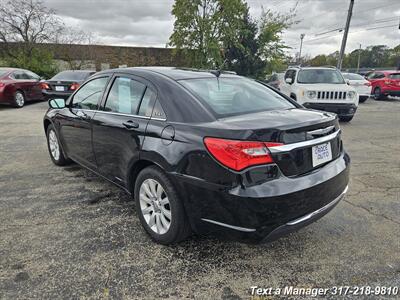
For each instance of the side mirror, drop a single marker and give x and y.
(57, 103)
(347, 82)
(289, 80)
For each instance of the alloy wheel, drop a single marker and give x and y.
(54, 146)
(19, 99)
(155, 206)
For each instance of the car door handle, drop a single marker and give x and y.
(130, 124)
(82, 115)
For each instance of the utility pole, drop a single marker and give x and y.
(358, 63)
(301, 45)
(346, 32)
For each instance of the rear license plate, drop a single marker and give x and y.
(321, 154)
(59, 88)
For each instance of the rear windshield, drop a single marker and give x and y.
(235, 96)
(320, 76)
(394, 76)
(71, 76)
(3, 72)
(352, 76)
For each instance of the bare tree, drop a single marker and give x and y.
(77, 48)
(27, 23)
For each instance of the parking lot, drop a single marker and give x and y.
(65, 233)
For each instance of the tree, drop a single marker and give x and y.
(23, 25)
(203, 29)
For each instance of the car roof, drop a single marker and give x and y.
(174, 73)
(79, 71)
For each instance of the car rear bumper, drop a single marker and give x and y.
(53, 94)
(341, 109)
(266, 211)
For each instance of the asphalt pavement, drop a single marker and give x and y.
(67, 234)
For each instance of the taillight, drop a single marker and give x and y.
(44, 86)
(74, 86)
(238, 155)
(2, 84)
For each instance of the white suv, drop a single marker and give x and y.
(322, 88)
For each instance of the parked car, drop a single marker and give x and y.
(65, 83)
(360, 84)
(275, 80)
(18, 86)
(322, 88)
(202, 151)
(384, 83)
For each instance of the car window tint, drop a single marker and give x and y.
(20, 75)
(88, 96)
(158, 111)
(125, 96)
(395, 76)
(72, 76)
(146, 106)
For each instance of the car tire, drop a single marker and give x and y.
(346, 119)
(362, 99)
(19, 99)
(54, 147)
(160, 208)
(378, 94)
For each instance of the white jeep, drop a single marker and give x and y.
(322, 88)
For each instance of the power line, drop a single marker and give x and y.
(377, 7)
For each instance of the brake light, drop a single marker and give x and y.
(238, 155)
(74, 86)
(44, 86)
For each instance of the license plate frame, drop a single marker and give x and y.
(60, 88)
(321, 153)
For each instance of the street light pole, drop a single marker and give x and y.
(301, 45)
(358, 62)
(346, 32)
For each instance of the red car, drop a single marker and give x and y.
(18, 86)
(384, 83)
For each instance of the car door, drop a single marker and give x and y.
(119, 126)
(34, 80)
(22, 83)
(76, 127)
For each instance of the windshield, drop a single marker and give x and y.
(320, 76)
(235, 96)
(352, 76)
(71, 76)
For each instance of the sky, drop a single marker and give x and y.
(150, 23)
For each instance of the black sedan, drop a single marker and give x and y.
(203, 152)
(63, 84)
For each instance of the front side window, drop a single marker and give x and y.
(235, 96)
(309, 76)
(125, 96)
(88, 96)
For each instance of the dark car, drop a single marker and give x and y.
(275, 80)
(18, 86)
(65, 83)
(203, 152)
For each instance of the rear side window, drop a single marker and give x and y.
(394, 76)
(125, 96)
(146, 106)
(72, 76)
(235, 96)
(88, 96)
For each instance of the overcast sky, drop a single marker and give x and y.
(150, 23)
